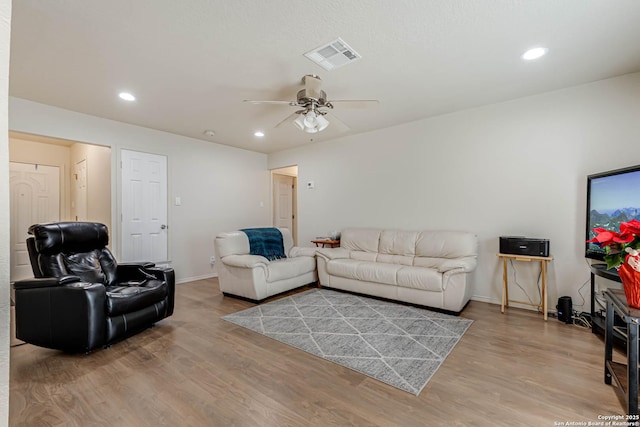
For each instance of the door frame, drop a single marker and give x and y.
(293, 172)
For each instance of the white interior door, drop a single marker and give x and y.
(283, 201)
(34, 199)
(144, 207)
(80, 184)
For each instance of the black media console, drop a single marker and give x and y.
(599, 308)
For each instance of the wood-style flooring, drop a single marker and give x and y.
(194, 369)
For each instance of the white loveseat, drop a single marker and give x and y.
(254, 277)
(431, 268)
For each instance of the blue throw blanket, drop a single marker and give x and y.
(266, 242)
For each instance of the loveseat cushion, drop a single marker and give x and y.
(132, 296)
(289, 267)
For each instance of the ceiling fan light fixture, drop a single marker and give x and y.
(299, 122)
(310, 119)
(322, 123)
(311, 122)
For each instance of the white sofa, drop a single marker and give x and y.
(430, 268)
(254, 277)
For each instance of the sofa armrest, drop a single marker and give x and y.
(45, 282)
(297, 251)
(245, 261)
(332, 253)
(467, 264)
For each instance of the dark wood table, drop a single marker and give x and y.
(324, 242)
(624, 376)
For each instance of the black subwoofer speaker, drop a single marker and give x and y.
(565, 309)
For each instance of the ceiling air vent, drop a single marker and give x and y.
(333, 55)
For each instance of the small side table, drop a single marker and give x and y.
(625, 377)
(544, 260)
(325, 242)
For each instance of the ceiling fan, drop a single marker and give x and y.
(313, 115)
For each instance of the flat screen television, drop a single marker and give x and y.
(612, 197)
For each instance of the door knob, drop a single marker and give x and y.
(163, 226)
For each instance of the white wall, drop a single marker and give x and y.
(220, 187)
(5, 31)
(98, 162)
(514, 168)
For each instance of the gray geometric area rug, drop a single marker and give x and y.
(400, 345)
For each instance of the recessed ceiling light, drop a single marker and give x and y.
(259, 134)
(126, 96)
(209, 132)
(534, 53)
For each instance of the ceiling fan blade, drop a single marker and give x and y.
(335, 123)
(312, 84)
(355, 103)
(290, 118)
(251, 101)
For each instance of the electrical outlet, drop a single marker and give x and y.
(212, 260)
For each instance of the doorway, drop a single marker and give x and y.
(38, 155)
(34, 198)
(285, 199)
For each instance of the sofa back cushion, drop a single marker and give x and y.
(419, 248)
(446, 244)
(394, 242)
(360, 239)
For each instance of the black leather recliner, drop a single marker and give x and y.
(81, 298)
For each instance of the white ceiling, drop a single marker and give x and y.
(192, 63)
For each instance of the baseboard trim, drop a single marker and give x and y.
(511, 304)
(192, 279)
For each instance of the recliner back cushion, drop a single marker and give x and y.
(74, 248)
(69, 237)
(85, 265)
(97, 266)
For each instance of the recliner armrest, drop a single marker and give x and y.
(131, 270)
(45, 282)
(71, 317)
(297, 251)
(245, 261)
(332, 253)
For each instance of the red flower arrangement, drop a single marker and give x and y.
(623, 253)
